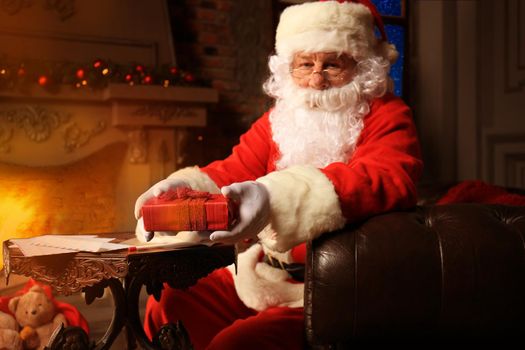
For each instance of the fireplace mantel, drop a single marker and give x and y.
(112, 92)
(130, 109)
(140, 106)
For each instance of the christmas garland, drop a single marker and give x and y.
(51, 76)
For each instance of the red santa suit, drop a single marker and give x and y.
(305, 202)
(259, 308)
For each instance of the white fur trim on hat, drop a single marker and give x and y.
(303, 205)
(196, 179)
(326, 26)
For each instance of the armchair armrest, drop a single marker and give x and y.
(450, 271)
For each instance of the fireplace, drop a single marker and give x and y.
(75, 160)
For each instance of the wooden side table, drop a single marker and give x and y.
(124, 273)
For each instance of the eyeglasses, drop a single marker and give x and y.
(330, 73)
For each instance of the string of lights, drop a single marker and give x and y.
(95, 75)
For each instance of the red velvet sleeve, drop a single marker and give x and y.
(249, 159)
(385, 166)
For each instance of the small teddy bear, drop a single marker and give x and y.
(9, 337)
(36, 313)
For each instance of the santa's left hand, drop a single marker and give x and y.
(254, 211)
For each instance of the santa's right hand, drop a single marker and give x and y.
(155, 191)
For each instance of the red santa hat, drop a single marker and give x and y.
(339, 26)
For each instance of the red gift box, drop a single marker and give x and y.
(184, 209)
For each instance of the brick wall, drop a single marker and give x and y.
(226, 43)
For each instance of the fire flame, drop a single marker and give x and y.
(16, 216)
(70, 199)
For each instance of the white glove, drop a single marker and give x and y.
(141, 233)
(154, 191)
(254, 211)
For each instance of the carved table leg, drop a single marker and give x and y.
(133, 287)
(131, 342)
(180, 269)
(65, 338)
(119, 313)
(170, 336)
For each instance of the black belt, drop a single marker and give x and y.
(295, 270)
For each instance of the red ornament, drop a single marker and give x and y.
(174, 70)
(128, 77)
(80, 73)
(139, 68)
(189, 78)
(42, 80)
(147, 79)
(97, 64)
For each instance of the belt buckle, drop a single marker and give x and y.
(279, 262)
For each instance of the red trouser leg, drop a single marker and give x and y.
(271, 329)
(204, 309)
(213, 315)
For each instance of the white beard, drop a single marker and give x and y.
(316, 128)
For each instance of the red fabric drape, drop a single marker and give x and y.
(475, 191)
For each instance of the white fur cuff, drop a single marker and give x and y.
(303, 205)
(261, 286)
(197, 179)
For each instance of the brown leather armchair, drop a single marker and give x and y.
(434, 272)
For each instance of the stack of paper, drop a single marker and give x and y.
(63, 244)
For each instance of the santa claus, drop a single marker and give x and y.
(337, 147)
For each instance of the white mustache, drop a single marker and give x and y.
(332, 99)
